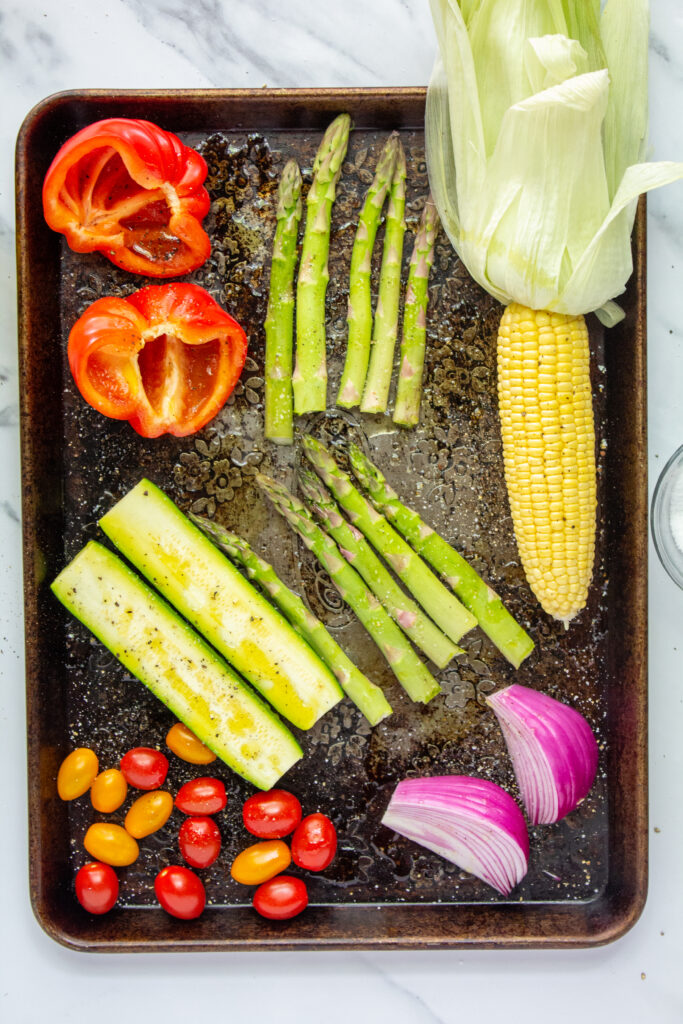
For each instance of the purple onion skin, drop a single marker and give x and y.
(555, 735)
(459, 803)
(479, 795)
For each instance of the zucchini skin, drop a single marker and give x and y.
(158, 647)
(197, 579)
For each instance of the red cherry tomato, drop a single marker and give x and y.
(199, 841)
(314, 843)
(97, 887)
(201, 796)
(271, 815)
(281, 898)
(144, 768)
(180, 892)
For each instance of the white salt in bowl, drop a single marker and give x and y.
(666, 517)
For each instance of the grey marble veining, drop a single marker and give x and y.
(62, 44)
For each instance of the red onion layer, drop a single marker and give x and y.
(470, 822)
(553, 750)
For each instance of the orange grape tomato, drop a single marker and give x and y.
(260, 862)
(76, 773)
(185, 745)
(108, 791)
(149, 813)
(110, 844)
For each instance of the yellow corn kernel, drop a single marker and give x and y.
(549, 452)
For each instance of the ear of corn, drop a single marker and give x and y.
(546, 414)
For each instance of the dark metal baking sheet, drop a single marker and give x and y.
(587, 878)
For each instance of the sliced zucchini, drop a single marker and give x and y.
(166, 654)
(208, 590)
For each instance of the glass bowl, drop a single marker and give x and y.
(666, 517)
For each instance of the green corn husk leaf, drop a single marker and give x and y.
(536, 124)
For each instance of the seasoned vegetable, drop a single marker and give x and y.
(207, 589)
(471, 822)
(310, 372)
(77, 773)
(111, 844)
(144, 767)
(279, 325)
(553, 751)
(385, 330)
(353, 545)
(201, 796)
(443, 607)
(366, 695)
(97, 887)
(271, 815)
(414, 677)
(281, 898)
(260, 862)
(165, 358)
(536, 177)
(476, 595)
(180, 892)
(178, 667)
(187, 747)
(409, 388)
(546, 419)
(199, 841)
(108, 791)
(314, 844)
(148, 813)
(359, 317)
(135, 193)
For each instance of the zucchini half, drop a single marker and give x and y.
(198, 580)
(166, 654)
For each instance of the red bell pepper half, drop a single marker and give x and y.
(135, 193)
(165, 358)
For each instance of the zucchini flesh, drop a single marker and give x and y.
(191, 573)
(166, 654)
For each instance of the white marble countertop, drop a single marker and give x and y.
(50, 45)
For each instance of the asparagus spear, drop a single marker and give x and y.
(509, 637)
(385, 332)
(414, 677)
(408, 392)
(360, 298)
(364, 694)
(279, 323)
(443, 607)
(310, 371)
(358, 552)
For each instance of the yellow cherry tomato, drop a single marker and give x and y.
(110, 844)
(260, 862)
(76, 773)
(185, 745)
(108, 791)
(149, 812)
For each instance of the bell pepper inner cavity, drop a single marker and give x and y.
(165, 358)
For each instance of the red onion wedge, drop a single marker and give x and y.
(471, 822)
(553, 750)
